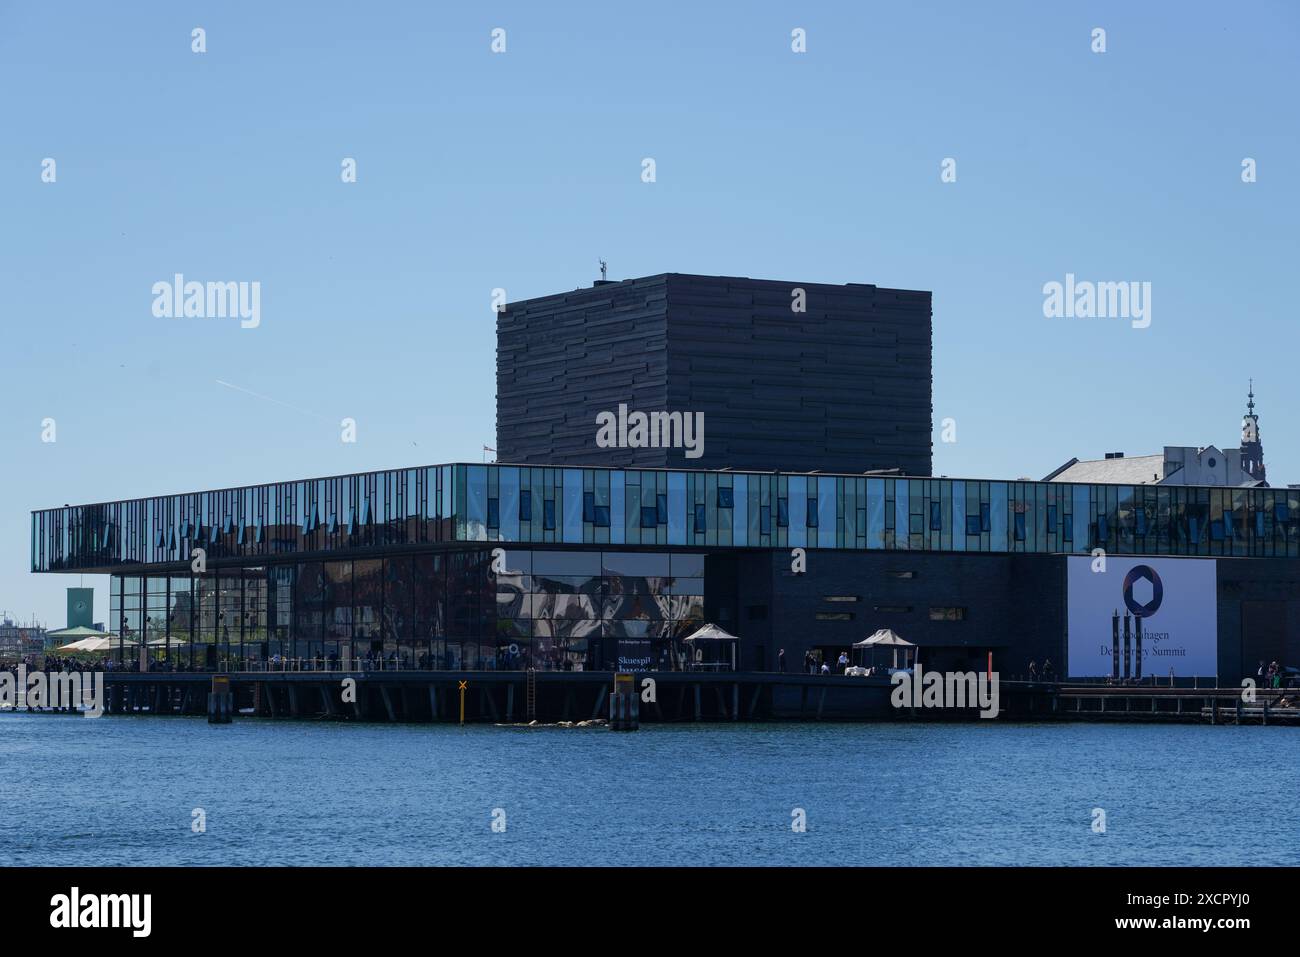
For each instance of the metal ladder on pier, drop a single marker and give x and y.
(530, 694)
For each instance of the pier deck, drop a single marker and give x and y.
(508, 697)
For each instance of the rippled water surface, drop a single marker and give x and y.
(123, 790)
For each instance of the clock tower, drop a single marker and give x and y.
(81, 607)
(1252, 451)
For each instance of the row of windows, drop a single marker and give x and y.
(402, 595)
(491, 503)
(946, 613)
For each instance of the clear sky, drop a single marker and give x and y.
(478, 170)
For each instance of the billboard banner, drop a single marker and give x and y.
(1172, 602)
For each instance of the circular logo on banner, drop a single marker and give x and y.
(1136, 574)
(514, 648)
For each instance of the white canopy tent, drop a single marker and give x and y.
(708, 636)
(885, 638)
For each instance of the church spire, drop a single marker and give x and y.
(1252, 449)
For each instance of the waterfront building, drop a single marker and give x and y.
(17, 640)
(573, 566)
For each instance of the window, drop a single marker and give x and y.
(782, 512)
(661, 509)
(1216, 530)
(839, 598)
(1020, 526)
(649, 517)
(1051, 518)
(588, 506)
(947, 613)
(936, 516)
(986, 521)
(765, 520)
(1141, 516)
(525, 506)
(699, 518)
(812, 513)
(915, 524)
(756, 612)
(834, 616)
(1067, 529)
(725, 499)
(494, 513)
(548, 515)
(600, 516)
(972, 524)
(1103, 530)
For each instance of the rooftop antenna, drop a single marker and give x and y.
(603, 268)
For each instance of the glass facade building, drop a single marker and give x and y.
(382, 512)
(552, 610)
(509, 567)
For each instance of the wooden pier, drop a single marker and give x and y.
(517, 697)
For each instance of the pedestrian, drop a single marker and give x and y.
(826, 667)
(1033, 670)
(780, 661)
(843, 662)
(1048, 671)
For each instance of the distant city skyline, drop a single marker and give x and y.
(981, 154)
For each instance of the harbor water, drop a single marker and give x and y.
(171, 790)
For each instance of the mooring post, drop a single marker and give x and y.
(220, 700)
(624, 703)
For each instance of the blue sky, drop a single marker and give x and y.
(519, 170)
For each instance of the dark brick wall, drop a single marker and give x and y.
(1014, 605)
(844, 386)
(1259, 615)
(563, 359)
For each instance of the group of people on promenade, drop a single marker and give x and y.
(1272, 675)
(51, 663)
(1046, 673)
(813, 665)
